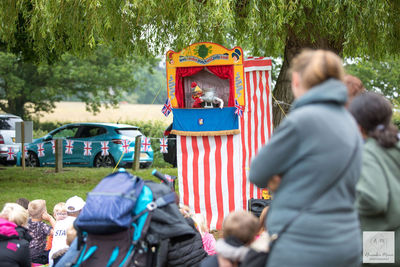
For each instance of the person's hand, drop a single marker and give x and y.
(46, 216)
(274, 183)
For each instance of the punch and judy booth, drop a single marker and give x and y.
(221, 105)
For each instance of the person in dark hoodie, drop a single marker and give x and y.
(182, 250)
(14, 237)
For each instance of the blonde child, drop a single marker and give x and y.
(39, 230)
(207, 238)
(59, 213)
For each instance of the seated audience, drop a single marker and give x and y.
(39, 230)
(57, 238)
(23, 202)
(14, 239)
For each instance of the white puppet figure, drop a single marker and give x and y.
(209, 98)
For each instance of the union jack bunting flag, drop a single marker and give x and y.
(53, 146)
(87, 149)
(167, 108)
(239, 109)
(104, 148)
(69, 147)
(146, 144)
(40, 150)
(125, 145)
(164, 145)
(10, 154)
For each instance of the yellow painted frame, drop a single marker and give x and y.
(201, 55)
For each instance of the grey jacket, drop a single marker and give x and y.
(309, 150)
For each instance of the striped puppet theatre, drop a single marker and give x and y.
(215, 145)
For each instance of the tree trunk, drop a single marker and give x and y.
(283, 89)
(16, 106)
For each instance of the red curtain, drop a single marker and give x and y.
(225, 72)
(180, 73)
(222, 72)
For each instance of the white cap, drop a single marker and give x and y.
(74, 203)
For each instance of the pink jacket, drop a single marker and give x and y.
(209, 243)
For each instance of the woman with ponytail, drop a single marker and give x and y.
(314, 161)
(378, 190)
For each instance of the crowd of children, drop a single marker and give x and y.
(29, 235)
(32, 237)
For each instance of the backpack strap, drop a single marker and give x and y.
(158, 203)
(113, 257)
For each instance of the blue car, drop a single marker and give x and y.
(90, 145)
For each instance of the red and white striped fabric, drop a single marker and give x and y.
(256, 124)
(212, 170)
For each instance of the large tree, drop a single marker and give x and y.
(268, 27)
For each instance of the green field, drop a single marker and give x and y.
(44, 183)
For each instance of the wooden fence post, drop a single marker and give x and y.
(136, 160)
(59, 155)
(23, 145)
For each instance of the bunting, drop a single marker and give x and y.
(53, 146)
(40, 150)
(167, 108)
(69, 147)
(146, 144)
(125, 145)
(87, 149)
(164, 145)
(104, 148)
(10, 154)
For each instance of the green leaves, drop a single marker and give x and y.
(381, 76)
(99, 79)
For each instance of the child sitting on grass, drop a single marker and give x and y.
(39, 230)
(57, 239)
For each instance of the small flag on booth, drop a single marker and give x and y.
(53, 146)
(69, 147)
(125, 145)
(104, 148)
(167, 107)
(87, 149)
(40, 150)
(146, 144)
(164, 145)
(10, 154)
(239, 109)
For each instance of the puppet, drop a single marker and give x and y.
(196, 95)
(207, 99)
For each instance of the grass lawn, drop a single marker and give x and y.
(44, 183)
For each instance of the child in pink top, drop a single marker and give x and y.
(207, 238)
